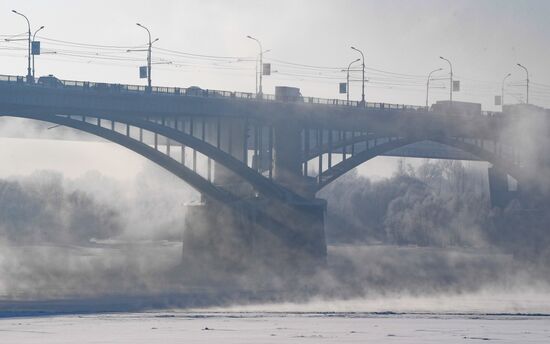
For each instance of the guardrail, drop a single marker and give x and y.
(193, 91)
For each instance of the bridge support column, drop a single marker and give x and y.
(230, 135)
(287, 164)
(258, 234)
(305, 218)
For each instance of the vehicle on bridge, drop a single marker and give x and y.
(288, 94)
(457, 108)
(50, 80)
(194, 91)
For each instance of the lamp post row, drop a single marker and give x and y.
(451, 83)
(32, 50)
(31, 70)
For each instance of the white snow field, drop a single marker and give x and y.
(242, 327)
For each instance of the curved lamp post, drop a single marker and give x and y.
(149, 54)
(363, 79)
(527, 72)
(451, 79)
(347, 78)
(29, 74)
(264, 52)
(428, 84)
(259, 93)
(33, 37)
(502, 89)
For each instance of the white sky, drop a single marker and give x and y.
(483, 38)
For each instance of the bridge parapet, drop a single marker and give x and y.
(193, 91)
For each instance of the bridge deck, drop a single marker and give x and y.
(88, 98)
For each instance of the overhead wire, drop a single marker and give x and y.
(106, 53)
(188, 61)
(88, 44)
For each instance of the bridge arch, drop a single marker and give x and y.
(141, 148)
(204, 185)
(334, 172)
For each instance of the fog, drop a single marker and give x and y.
(426, 232)
(411, 234)
(425, 240)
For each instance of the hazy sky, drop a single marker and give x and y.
(483, 39)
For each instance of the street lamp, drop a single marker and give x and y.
(259, 92)
(428, 84)
(273, 71)
(451, 79)
(33, 37)
(347, 78)
(149, 48)
(29, 75)
(363, 80)
(526, 71)
(502, 89)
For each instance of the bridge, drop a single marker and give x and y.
(258, 162)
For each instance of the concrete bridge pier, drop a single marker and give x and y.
(238, 239)
(307, 217)
(262, 234)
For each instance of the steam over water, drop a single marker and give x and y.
(419, 255)
(424, 240)
(427, 233)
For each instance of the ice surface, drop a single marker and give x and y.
(242, 327)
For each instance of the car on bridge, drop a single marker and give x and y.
(194, 91)
(50, 80)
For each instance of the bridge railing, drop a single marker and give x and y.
(12, 78)
(194, 91)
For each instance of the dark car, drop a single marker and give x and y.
(194, 91)
(50, 80)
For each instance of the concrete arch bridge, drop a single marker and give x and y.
(259, 162)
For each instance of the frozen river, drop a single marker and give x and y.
(40, 303)
(461, 318)
(247, 327)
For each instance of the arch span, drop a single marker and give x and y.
(186, 174)
(336, 171)
(260, 183)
